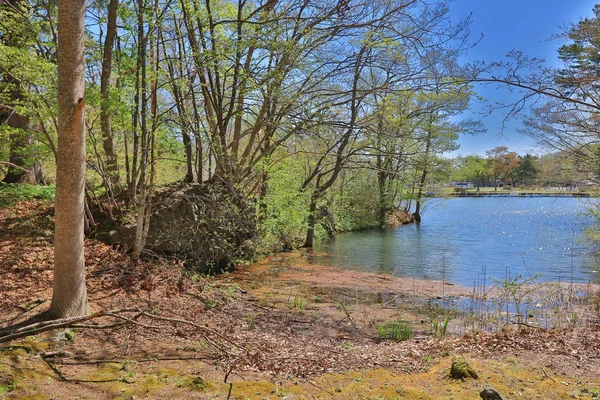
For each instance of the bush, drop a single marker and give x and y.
(283, 222)
(12, 193)
(356, 206)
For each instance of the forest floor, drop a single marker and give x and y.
(278, 329)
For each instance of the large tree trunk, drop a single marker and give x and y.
(312, 220)
(417, 213)
(19, 144)
(112, 167)
(69, 297)
(383, 196)
(143, 200)
(20, 137)
(421, 189)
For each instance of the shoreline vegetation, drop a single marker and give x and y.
(512, 192)
(522, 194)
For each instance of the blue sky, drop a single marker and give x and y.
(525, 25)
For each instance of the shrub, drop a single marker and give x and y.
(397, 330)
(12, 193)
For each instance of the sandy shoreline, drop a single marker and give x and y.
(296, 267)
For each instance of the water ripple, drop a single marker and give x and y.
(459, 236)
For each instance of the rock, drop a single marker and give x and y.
(35, 175)
(490, 394)
(461, 369)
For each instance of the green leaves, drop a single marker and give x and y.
(10, 194)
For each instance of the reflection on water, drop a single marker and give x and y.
(458, 237)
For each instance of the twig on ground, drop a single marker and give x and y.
(231, 368)
(200, 327)
(347, 314)
(320, 388)
(529, 326)
(545, 373)
(63, 378)
(133, 320)
(37, 303)
(143, 360)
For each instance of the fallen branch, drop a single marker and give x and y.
(528, 326)
(142, 360)
(15, 166)
(231, 368)
(347, 313)
(320, 388)
(63, 378)
(37, 303)
(8, 334)
(56, 354)
(106, 326)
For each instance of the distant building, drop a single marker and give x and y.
(464, 185)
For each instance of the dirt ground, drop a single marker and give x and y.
(278, 329)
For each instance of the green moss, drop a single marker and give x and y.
(167, 372)
(150, 384)
(252, 390)
(107, 371)
(6, 383)
(35, 396)
(197, 383)
(30, 345)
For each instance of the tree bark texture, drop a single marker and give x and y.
(69, 297)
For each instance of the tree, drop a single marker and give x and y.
(112, 167)
(69, 297)
(440, 133)
(15, 36)
(474, 169)
(398, 117)
(510, 161)
(527, 171)
(581, 57)
(570, 122)
(502, 164)
(566, 109)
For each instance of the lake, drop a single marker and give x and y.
(459, 238)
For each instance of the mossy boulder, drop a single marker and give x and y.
(461, 369)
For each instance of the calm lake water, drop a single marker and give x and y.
(459, 237)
